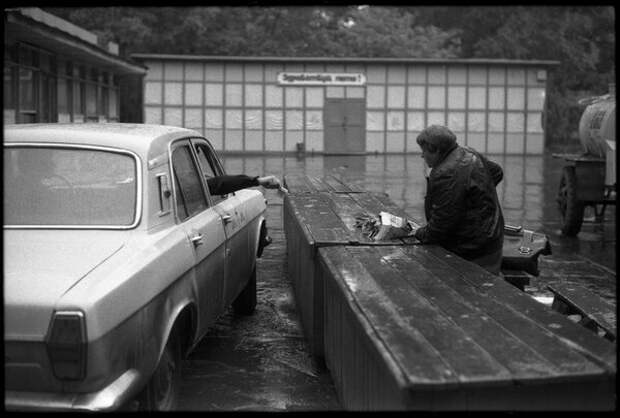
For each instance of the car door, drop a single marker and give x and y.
(205, 232)
(238, 261)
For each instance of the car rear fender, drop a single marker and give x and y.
(176, 314)
(262, 237)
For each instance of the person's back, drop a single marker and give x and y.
(477, 229)
(462, 211)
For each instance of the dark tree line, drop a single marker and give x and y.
(581, 38)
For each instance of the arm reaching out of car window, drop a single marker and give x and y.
(220, 185)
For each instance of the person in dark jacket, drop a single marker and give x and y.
(225, 184)
(462, 210)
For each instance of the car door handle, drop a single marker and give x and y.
(226, 218)
(197, 240)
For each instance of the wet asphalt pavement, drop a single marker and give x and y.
(261, 362)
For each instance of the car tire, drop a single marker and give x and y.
(162, 391)
(245, 303)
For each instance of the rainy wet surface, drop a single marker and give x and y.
(262, 363)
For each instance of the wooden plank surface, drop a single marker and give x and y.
(330, 217)
(587, 304)
(597, 349)
(450, 342)
(516, 339)
(303, 183)
(399, 339)
(477, 338)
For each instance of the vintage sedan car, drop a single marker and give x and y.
(116, 261)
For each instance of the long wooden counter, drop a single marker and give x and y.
(324, 219)
(405, 326)
(416, 328)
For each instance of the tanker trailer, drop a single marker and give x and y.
(590, 177)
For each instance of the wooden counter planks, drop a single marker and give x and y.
(323, 219)
(404, 328)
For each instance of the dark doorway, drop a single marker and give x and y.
(345, 126)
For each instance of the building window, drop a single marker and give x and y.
(9, 102)
(78, 95)
(63, 95)
(91, 97)
(26, 90)
(113, 105)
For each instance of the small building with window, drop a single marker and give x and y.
(331, 105)
(55, 71)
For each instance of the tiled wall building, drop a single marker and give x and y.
(55, 71)
(348, 105)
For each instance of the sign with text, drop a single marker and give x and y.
(321, 79)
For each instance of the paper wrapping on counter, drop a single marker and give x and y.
(386, 226)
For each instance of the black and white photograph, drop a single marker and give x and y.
(309, 208)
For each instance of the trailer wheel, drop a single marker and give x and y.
(571, 209)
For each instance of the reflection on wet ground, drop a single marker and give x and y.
(261, 362)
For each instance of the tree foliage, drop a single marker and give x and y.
(581, 38)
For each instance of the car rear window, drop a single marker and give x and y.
(53, 186)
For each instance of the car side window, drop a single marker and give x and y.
(190, 198)
(208, 164)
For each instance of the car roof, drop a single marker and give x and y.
(146, 140)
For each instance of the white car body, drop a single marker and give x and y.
(132, 284)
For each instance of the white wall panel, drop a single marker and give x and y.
(213, 119)
(436, 97)
(193, 94)
(273, 96)
(152, 92)
(274, 120)
(396, 97)
(193, 71)
(456, 121)
(173, 93)
(456, 97)
(395, 120)
(375, 121)
(173, 71)
(254, 119)
(436, 118)
(535, 99)
(415, 121)
(294, 120)
(314, 141)
(173, 116)
(294, 97)
(233, 119)
(314, 120)
(193, 118)
(254, 95)
(234, 94)
(314, 97)
(214, 94)
(375, 97)
(152, 115)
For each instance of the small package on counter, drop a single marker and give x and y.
(386, 227)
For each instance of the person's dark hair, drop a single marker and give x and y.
(436, 138)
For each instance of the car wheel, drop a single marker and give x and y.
(162, 390)
(245, 303)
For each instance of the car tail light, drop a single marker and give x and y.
(66, 345)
